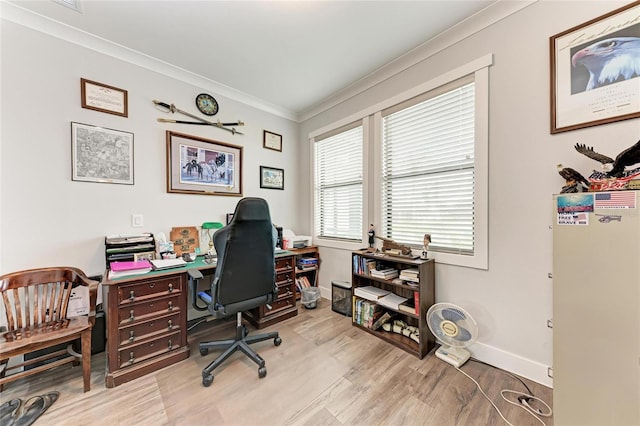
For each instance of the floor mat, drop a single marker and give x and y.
(23, 413)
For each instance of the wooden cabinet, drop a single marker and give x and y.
(424, 293)
(146, 325)
(307, 262)
(285, 305)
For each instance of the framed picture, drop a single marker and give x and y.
(147, 255)
(202, 166)
(592, 78)
(272, 141)
(103, 98)
(101, 155)
(271, 178)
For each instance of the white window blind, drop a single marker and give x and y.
(428, 170)
(338, 185)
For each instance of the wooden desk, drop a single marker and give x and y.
(146, 317)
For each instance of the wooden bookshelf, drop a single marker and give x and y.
(425, 289)
(311, 273)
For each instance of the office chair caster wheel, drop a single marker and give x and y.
(207, 380)
(277, 341)
(262, 372)
(204, 351)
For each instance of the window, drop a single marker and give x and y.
(427, 183)
(338, 206)
(425, 157)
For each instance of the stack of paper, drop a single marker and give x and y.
(392, 301)
(370, 292)
(120, 266)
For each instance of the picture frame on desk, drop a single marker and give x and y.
(588, 88)
(202, 166)
(101, 155)
(147, 255)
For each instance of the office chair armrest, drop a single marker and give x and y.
(194, 278)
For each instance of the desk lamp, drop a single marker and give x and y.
(209, 226)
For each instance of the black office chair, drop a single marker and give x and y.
(245, 278)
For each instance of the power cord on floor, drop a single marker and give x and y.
(524, 400)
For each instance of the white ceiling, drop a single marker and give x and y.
(290, 54)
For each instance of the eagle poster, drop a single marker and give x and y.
(595, 71)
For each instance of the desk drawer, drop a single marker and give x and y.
(149, 329)
(135, 353)
(148, 289)
(148, 309)
(284, 292)
(278, 306)
(284, 264)
(284, 280)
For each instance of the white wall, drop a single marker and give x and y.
(512, 300)
(46, 219)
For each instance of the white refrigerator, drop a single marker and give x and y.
(596, 308)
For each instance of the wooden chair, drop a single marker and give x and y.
(35, 303)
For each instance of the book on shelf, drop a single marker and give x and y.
(385, 317)
(392, 301)
(370, 292)
(386, 274)
(302, 282)
(408, 306)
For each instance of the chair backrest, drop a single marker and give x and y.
(37, 299)
(245, 249)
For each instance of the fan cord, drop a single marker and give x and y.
(523, 399)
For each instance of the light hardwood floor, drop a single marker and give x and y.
(326, 372)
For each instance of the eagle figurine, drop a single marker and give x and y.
(613, 168)
(574, 181)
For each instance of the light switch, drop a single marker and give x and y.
(137, 220)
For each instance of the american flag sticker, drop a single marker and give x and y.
(575, 219)
(616, 200)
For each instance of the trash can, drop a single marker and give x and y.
(341, 297)
(310, 297)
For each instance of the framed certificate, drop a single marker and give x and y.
(103, 98)
(272, 141)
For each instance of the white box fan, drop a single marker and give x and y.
(455, 329)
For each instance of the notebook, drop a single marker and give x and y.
(159, 264)
(130, 265)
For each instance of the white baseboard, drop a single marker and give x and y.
(513, 363)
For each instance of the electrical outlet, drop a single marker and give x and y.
(550, 372)
(550, 323)
(137, 220)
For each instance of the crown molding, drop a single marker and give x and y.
(29, 19)
(493, 13)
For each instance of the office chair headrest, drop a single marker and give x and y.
(249, 209)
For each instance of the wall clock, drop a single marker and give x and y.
(207, 104)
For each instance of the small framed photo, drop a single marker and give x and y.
(103, 98)
(101, 155)
(271, 178)
(147, 255)
(201, 166)
(272, 141)
(591, 81)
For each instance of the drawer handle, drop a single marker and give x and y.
(131, 358)
(131, 316)
(170, 287)
(152, 285)
(131, 338)
(170, 324)
(170, 306)
(132, 295)
(170, 345)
